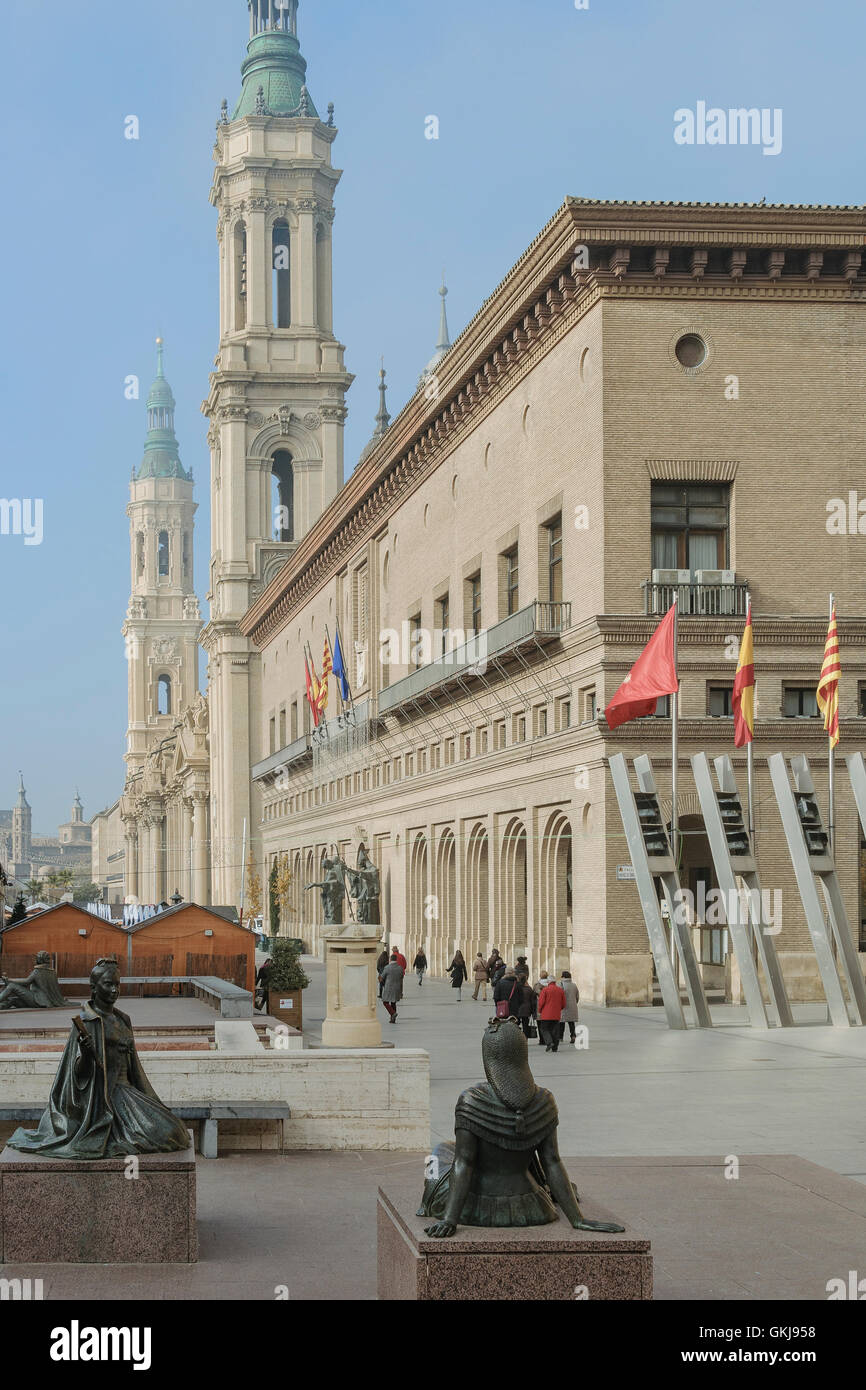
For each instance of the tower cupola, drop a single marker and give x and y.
(161, 454)
(274, 72)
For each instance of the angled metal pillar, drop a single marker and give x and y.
(733, 857)
(635, 834)
(808, 844)
(857, 773)
(667, 871)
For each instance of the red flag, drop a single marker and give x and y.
(653, 674)
(311, 696)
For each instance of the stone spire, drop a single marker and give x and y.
(161, 455)
(444, 342)
(383, 419)
(22, 795)
(77, 810)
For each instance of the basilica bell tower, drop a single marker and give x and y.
(276, 404)
(163, 620)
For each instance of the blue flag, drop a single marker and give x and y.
(339, 666)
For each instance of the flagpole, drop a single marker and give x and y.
(345, 673)
(750, 750)
(339, 690)
(831, 821)
(675, 740)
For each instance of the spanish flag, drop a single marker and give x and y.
(744, 688)
(327, 667)
(827, 694)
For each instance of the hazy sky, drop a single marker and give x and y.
(107, 242)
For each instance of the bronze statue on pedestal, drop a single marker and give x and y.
(504, 1168)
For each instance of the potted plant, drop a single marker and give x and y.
(286, 983)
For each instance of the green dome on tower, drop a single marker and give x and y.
(274, 72)
(161, 456)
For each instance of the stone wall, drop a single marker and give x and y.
(364, 1099)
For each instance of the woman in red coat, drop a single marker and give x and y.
(551, 1002)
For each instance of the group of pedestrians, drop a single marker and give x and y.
(542, 1009)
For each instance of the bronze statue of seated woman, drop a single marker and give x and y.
(39, 991)
(102, 1104)
(504, 1168)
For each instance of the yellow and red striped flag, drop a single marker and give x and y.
(327, 667)
(827, 694)
(744, 689)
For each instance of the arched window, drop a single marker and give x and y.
(186, 554)
(282, 276)
(283, 496)
(163, 697)
(139, 554)
(162, 552)
(240, 257)
(323, 286)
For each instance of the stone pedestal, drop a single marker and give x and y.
(69, 1211)
(551, 1262)
(353, 987)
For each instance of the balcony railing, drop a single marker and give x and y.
(537, 622)
(708, 600)
(283, 759)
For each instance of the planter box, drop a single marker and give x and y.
(287, 1006)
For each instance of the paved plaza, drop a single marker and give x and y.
(665, 1109)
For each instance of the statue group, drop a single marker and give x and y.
(359, 888)
(40, 990)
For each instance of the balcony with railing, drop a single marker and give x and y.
(285, 758)
(708, 593)
(534, 625)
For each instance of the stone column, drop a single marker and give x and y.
(259, 264)
(352, 987)
(199, 849)
(131, 874)
(185, 854)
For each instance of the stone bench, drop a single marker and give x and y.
(229, 999)
(209, 1113)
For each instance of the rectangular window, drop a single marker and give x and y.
(397, 769)
(554, 559)
(539, 721)
(689, 524)
(512, 581)
(481, 739)
(443, 623)
(499, 735)
(586, 704)
(720, 701)
(386, 774)
(410, 764)
(449, 752)
(798, 702)
(282, 742)
(422, 760)
(662, 710)
(861, 700)
(472, 603)
(435, 756)
(415, 643)
(518, 728)
(467, 746)
(563, 715)
(272, 734)
(294, 721)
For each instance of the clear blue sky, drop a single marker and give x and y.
(107, 242)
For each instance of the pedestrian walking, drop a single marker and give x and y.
(526, 1007)
(499, 971)
(381, 961)
(400, 957)
(262, 978)
(391, 980)
(569, 1013)
(419, 965)
(551, 1002)
(479, 974)
(458, 972)
(492, 963)
(540, 984)
(507, 995)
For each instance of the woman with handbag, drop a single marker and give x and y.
(526, 1007)
(507, 995)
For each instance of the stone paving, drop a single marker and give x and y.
(670, 1107)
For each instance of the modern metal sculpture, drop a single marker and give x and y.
(812, 857)
(504, 1168)
(651, 856)
(733, 857)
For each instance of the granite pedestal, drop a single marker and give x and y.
(69, 1211)
(537, 1262)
